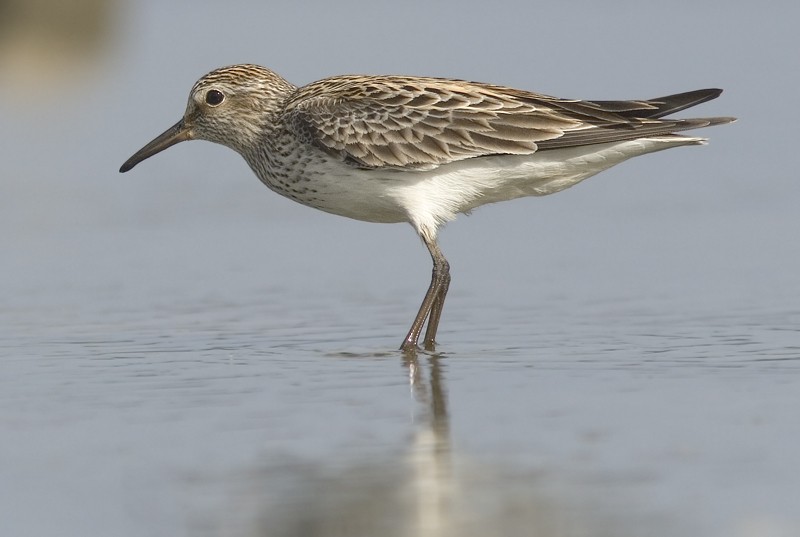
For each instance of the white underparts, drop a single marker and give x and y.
(439, 195)
(428, 199)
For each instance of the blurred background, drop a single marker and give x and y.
(182, 352)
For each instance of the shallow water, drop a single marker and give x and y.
(156, 383)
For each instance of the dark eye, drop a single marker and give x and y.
(214, 97)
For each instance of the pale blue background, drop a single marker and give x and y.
(178, 338)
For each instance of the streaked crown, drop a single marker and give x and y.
(233, 105)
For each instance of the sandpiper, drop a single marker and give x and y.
(419, 150)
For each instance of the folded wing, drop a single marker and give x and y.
(421, 123)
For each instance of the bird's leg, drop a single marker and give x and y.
(433, 301)
(438, 304)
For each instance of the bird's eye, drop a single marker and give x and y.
(214, 97)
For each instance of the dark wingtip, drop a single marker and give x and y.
(698, 96)
(671, 104)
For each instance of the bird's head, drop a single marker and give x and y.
(230, 106)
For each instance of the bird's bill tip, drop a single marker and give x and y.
(175, 134)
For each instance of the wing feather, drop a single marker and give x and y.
(421, 123)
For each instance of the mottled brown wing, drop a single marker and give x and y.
(418, 122)
(421, 123)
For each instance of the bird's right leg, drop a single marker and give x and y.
(431, 308)
(438, 303)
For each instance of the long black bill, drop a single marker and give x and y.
(175, 134)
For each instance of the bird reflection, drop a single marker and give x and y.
(431, 395)
(428, 490)
(429, 459)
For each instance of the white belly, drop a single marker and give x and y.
(428, 199)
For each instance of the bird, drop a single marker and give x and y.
(419, 150)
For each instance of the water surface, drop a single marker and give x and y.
(155, 384)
